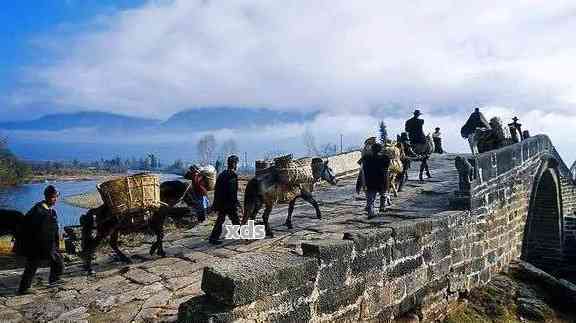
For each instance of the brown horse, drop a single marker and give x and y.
(423, 152)
(265, 190)
(110, 225)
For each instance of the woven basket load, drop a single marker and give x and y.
(131, 193)
(393, 153)
(283, 161)
(209, 174)
(296, 172)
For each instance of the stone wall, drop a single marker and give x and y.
(415, 266)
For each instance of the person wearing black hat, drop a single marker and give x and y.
(226, 201)
(516, 130)
(41, 240)
(414, 129)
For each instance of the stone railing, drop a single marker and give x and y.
(492, 164)
(411, 267)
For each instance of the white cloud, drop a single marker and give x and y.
(332, 55)
(340, 57)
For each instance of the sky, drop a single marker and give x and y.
(357, 62)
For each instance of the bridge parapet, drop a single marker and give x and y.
(492, 164)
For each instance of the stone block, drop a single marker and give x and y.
(331, 301)
(374, 299)
(245, 278)
(335, 257)
(414, 229)
(405, 267)
(373, 260)
(406, 248)
(367, 239)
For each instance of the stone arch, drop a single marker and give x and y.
(542, 245)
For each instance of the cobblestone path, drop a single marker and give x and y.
(152, 288)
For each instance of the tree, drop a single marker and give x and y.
(12, 170)
(383, 132)
(310, 142)
(206, 148)
(229, 147)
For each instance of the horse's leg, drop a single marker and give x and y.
(159, 230)
(307, 196)
(114, 246)
(156, 223)
(426, 168)
(265, 217)
(393, 188)
(288, 222)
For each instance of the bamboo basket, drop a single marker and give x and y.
(131, 193)
(296, 172)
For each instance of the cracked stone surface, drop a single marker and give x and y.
(152, 288)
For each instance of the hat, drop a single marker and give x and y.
(233, 159)
(50, 191)
(515, 119)
(417, 112)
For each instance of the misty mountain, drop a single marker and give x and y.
(202, 119)
(88, 119)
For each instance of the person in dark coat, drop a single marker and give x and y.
(375, 168)
(40, 240)
(414, 129)
(226, 199)
(516, 130)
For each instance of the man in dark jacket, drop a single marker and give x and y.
(476, 120)
(414, 129)
(375, 168)
(226, 199)
(40, 240)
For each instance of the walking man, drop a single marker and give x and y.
(40, 241)
(375, 168)
(226, 199)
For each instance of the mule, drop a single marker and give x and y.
(423, 152)
(110, 225)
(265, 190)
(10, 222)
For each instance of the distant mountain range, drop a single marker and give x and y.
(200, 119)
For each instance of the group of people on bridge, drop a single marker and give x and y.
(384, 166)
(383, 171)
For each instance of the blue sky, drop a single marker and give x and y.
(22, 21)
(372, 60)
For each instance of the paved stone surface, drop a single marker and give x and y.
(151, 288)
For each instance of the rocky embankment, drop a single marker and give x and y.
(520, 295)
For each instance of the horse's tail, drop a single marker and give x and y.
(252, 197)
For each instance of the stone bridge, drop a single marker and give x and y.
(520, 204)
(418, 257)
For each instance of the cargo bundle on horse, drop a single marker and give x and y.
(136, 203)
(285, 176)
(10, 225)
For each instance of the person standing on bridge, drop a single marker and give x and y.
(437, 137)
(41, 241)
(414, 129)
(375, 167)
(226, 199)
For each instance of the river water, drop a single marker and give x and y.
(23, 197)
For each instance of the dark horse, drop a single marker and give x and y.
(10, 222)
(265, 190)
(109, 225)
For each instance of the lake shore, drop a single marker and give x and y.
(71, 178)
